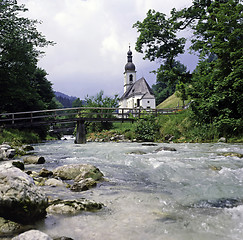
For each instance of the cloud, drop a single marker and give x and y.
(92, 39)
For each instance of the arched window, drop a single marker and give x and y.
(130, 78)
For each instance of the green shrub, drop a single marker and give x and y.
(147, 129)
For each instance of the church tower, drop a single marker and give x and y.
(130, 73)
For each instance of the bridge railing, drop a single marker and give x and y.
(65, 115)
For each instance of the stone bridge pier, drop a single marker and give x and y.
(81, 134)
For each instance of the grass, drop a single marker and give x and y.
(172, 102)
(17, 137)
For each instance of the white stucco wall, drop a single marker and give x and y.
(148, 103)
(132, 102)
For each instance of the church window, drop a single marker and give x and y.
(130, 78)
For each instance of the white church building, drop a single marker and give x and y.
(137, 93)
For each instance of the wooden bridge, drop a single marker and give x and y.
(79, 115)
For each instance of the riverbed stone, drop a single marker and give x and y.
(32, 235)
(34, 160)
(78, 172)
(137, 152)
(45, 173)
(218, 203)
(54, 182)
(18, 164)
(83, 185)
(8, 227)
(2, 155)
(222, 140)
(28, 148)
(232, 154)
(20, 200)
(165, 149)
(73, 206)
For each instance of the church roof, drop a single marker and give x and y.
(140, 87)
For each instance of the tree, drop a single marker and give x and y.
(19, 52)
(167, 81)
(77, 103)
(101, 101)
(216, 27)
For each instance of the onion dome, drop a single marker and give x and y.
(129, 66)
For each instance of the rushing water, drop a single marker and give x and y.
(193, 193)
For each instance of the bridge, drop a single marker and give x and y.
(79, 115)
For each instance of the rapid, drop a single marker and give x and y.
(192, 193)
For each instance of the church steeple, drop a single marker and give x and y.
(130, 73)
(129, 66)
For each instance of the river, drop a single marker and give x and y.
(193, 193)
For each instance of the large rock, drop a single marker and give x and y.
(7, 227)
(165, 149)
(20, 200)
(78, 172)
(83, 185)
(54, 183)
(34, 160)
(6, 152)
(73, 206)
(32, 235)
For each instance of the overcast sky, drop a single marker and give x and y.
(92, 39)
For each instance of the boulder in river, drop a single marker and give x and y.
(83, 185)
(28, 148)
(78, 172)
(20, 200)
(73, 206)
(18, 164)
(6, 152)
(45, 173)
(32, 235)
(34, 160)
(218, 203)
(137, 152)
(54, 183)
(232, 154)
(8, 228)
(165, 149)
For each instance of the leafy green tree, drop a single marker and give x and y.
(77, 103)
(43, 87)
(20, 44)
(216, 85)
(99, 100)
(167, 80)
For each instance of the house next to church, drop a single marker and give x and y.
(137, 93)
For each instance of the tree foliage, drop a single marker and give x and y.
(167, 81)
(99, 100)
(216, 84)
(23, 85)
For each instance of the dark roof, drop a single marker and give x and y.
(130, 66)
(140, 87)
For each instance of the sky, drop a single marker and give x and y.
(92, 39)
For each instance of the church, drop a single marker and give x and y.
(137, 93)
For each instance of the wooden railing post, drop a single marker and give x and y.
(13, 118)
